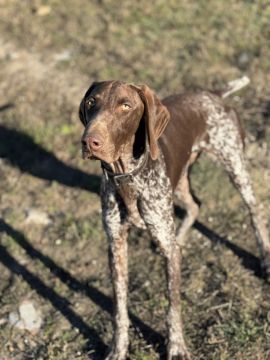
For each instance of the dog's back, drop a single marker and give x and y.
(191, 116)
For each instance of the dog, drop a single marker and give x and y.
(146, 146)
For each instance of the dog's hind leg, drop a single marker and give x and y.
(226, 144)
(183, 193)
(236, 167)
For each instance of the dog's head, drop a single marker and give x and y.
(113, 112)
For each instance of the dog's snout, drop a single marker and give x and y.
(92, 142)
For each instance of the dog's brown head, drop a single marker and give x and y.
(113, 112)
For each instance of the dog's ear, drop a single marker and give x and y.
(82, 104)
(156, 117)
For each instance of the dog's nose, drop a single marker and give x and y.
(92, 142)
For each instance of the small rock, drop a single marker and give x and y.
(36, 216)
(30, 317)
(147, 283)
(65, 55)
(27, 318)
(58, 242)
(43, 10)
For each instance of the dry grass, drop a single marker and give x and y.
(50, 52)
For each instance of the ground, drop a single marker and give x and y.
(53, 251)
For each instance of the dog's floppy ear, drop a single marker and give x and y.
(82, 104)
(156, 117)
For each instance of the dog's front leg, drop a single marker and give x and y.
(117, 233)
(159, 221)
(176, 348)
(119, 273)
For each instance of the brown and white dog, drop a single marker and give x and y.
(146, 146)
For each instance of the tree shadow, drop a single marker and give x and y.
(61, 304)
(249, 261)
(21, 151)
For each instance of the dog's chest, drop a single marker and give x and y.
(149, 187)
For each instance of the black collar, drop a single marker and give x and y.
(125, 178)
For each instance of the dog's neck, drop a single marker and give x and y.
(133, 152)
(132, 155)
(130, 163)
(130, 158)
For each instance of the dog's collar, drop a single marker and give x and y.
(125, 178)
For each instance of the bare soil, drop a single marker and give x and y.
(50, 52)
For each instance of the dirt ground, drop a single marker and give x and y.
(53, 251)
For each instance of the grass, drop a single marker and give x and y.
(171, 46)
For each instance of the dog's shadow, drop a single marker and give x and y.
(21, 151)
(249, 261)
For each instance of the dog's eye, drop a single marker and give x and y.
(90, 102)
(125, 106)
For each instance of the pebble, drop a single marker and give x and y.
(35, 216)
(65, 55)
(28, 317)
(43, 10)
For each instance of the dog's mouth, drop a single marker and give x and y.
(106, 153)
(86, 154)
(90, 155)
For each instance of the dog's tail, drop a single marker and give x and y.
(234, 86)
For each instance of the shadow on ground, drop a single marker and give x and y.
(249, 261)
(60, 303)
(21, 151)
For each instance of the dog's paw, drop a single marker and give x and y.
(119, 354)
(113, 355)
(180, 354)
